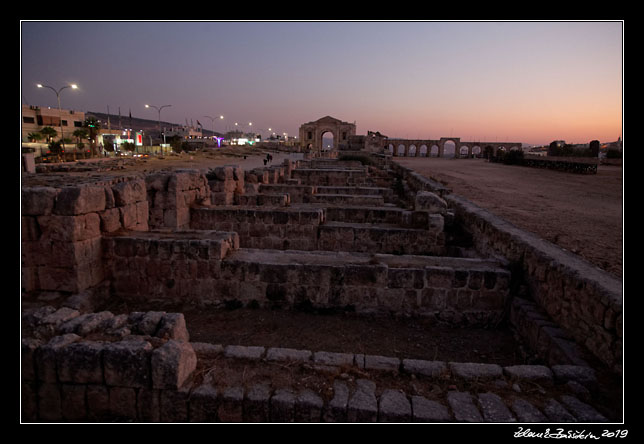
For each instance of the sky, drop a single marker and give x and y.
(529, 82)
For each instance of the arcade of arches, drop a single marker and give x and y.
(311, 135)
(445, 147)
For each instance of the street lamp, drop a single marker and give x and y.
(159, 110)
(212, 119)
(60, 112)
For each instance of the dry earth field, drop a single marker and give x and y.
(578, 212)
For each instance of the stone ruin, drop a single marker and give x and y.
(371, 237)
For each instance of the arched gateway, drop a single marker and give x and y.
(311, 133)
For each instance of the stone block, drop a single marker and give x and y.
(75, 200)
(475, 371)
(282, 406)
(426, 368)
(432, 202)
(463, 407)
(425, 410)
(123, 403)
(257, 403)
(556, 412)
(385, 363)
(308, 406)
(243, 352)
(70, 228)
(127, 363)
(526, 412)
(129, 192)
(173, 326)
(98, 402)
(582, 411)
(172, 364)
(37, 201)
(363, 405)
(49, 402)
(28, 351)
(73, 405)
(81, 363)
(583, 375)
(148, 405)
(332, 358)
(493, 408)
(394, 406)
(336, 410)
(204, 404)
(536, 373)
(45, 356)
(173, 405)
(287, 354)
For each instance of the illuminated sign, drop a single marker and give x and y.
(139, 139)
(219, 139)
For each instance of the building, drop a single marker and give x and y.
(35, 118)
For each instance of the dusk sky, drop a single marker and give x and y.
(529, 82)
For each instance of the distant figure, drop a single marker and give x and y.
(264, 162)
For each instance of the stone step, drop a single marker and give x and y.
(347, 199)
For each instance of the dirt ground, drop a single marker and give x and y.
(581, 213)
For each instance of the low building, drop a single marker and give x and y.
(35, 118)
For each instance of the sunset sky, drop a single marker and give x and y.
(529, 82)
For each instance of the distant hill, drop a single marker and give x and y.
(137, 123)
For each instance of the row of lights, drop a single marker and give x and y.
(74, 86)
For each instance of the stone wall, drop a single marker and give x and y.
(582, 299)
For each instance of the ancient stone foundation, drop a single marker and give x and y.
(324, 234)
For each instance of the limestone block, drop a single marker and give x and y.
(426, 200)
(45, 357)
(129, 192)
(172, 364)
(394, 406)
(70, 228)
(127, 363)
(463, 407)
(363, 405)
(425, 410)
(173, 326)
(81, 363)
(257, 403)
(37, 201)
(80, 200)
(204, 404)
(474, 371)
(493, 408)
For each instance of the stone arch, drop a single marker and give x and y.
(476, 151)
(412, 150)
(434, 151)
(422, 152)
(449, 148)
(515, 148)
(400, 150)
(390, 147)
(464, 151)
(333, 134)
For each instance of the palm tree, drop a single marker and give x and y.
(49, 133)
(34, 137)
(93, 125)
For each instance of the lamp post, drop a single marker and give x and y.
(159, 111)
(212, 119)
(60, 112)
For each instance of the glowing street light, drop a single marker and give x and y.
(60, 113)
(159, 110)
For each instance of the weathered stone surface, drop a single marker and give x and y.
(463, 407)
(257, 403)
(308, 407)
(173, 326)
(426, 410)
(127, 363)
(38, 201)
(206, 350)
(283, 406)
(73, 406)
(173, 405)
(425, 368)
(336, 359)
(204, 404)
(385, 363)
(363, 405)
(556, 412)
(537, 373)
(45, 356)
(231, 405)
(581, 410)
(394, 406)
(243, 352)
(76, 200)
(426, 200)
(472, 371)
(287, 354)
(98, 401)
(493, 408)
(81, 363)
(123, 403)
(336, 410)
(526, 412)
(583, 375)
(172, 364)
